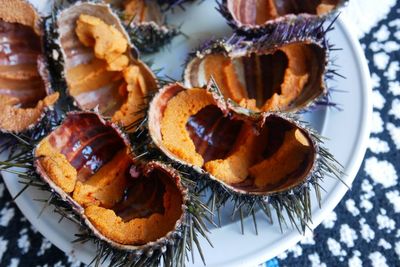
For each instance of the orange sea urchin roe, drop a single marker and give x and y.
(102, 191)
(108, 43)
(56, 166)
(235, 168)
(16, 119)
(127, 210)
(176, 138)
(173, 125)
(106, 187)
(23, 96)
(111, 80)
(270, 82)
(266, 159)
(286, 160)
(140, 230)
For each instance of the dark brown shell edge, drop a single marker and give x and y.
(259, 30)
(295, 201)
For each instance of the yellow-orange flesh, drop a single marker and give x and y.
(22, 94)
(110, 80)
(195, 131)
(95, 173)
(278, 81)
(258, 12)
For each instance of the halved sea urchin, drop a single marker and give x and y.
(88, 162)
(94, 57)
(257, 17)
(284, 70)
(138, 213)
(25, 93)
(258, 159)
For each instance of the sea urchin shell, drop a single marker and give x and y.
(255, 155)
(266, 74)
(88, 162)
(24, 93)
(100, 65)
(256, 159)
(260, 16)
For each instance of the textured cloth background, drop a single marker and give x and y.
(362, 231)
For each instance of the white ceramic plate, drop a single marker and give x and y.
(347, 130)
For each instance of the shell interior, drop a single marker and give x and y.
(259, 12)
(286, 78)
(100, 68)
(23, 92)
(87, 161)
(190, 126)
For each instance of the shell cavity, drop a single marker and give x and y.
(257, 17)
(25, 94)
(101, 68)
(287, 75)
(262, 154)
(88, 162)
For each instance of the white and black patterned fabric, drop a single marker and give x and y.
(363, 230)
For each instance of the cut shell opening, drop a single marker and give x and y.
(286, 78)
(190, 126)
(258, 12)
(100, 69)
(23, 77)
(88, 162)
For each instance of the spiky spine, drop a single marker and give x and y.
(150, 37)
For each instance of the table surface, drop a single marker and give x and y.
(363, 230)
